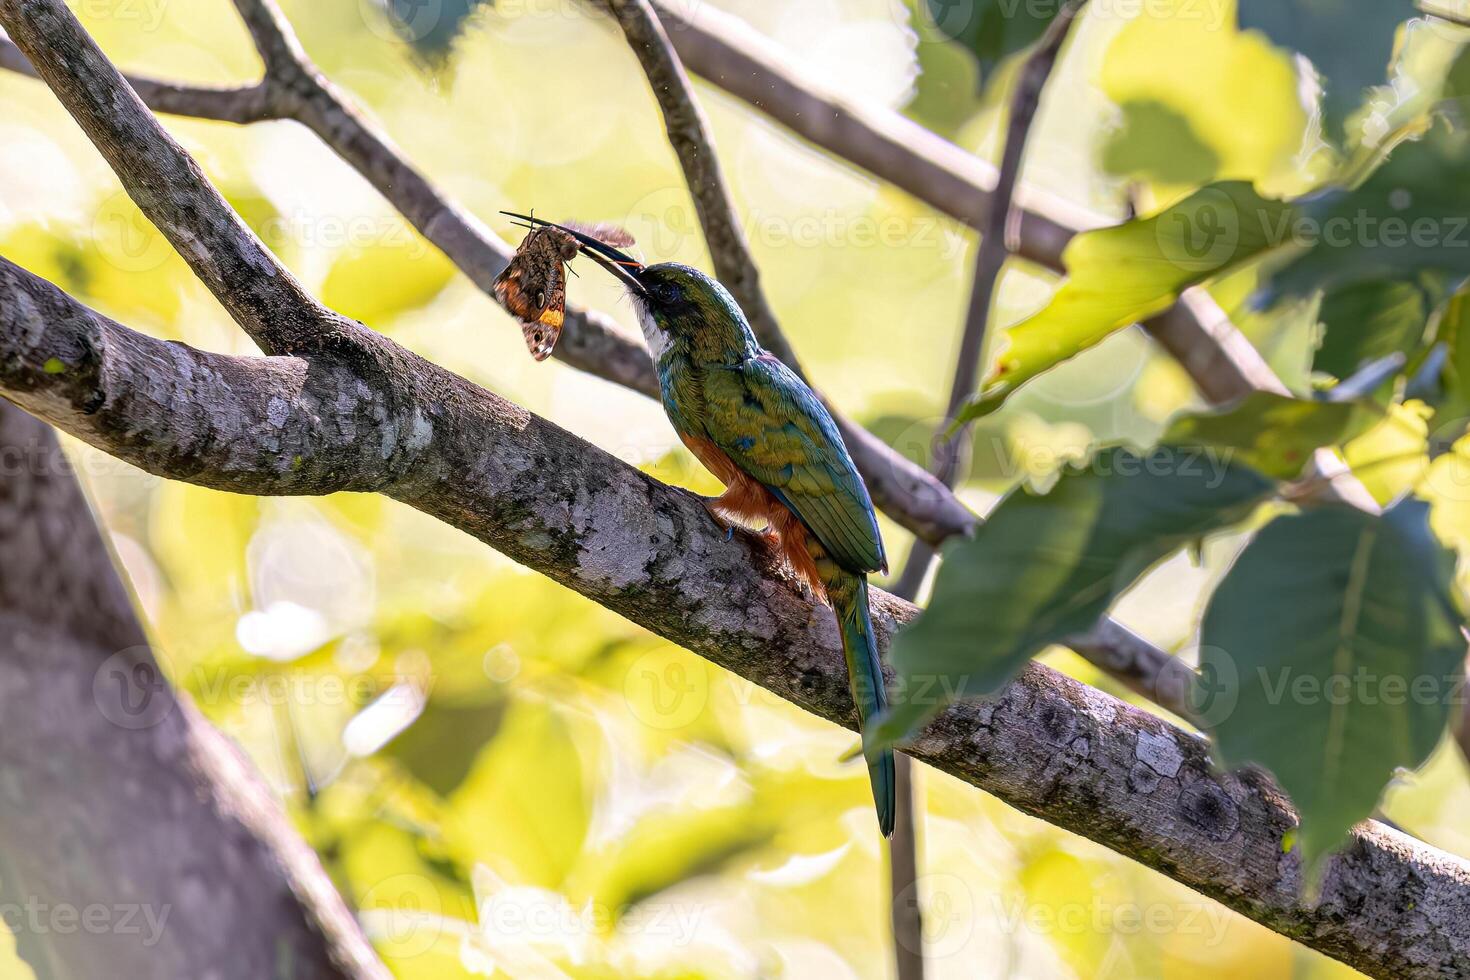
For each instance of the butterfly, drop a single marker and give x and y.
(533, 286)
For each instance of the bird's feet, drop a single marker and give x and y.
(712, 505)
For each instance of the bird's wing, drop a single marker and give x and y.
(775, 429)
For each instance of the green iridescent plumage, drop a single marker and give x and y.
(719, 388)
(762, 431)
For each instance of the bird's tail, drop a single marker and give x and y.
(848, 594)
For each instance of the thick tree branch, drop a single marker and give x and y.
(1048, 745)
(117, 795)
(259, 425)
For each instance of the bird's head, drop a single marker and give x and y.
(675, 302)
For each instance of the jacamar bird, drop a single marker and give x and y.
(757, 427)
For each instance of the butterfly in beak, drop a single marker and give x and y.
(533, 286)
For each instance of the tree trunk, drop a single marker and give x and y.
(135, 841)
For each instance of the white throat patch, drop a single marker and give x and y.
(653, 335)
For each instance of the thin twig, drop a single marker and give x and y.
(998, 240)
(689, 135)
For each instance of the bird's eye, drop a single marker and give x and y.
(666, 292)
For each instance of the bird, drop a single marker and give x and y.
(753, 423)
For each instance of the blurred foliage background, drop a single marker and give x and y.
(507, 779)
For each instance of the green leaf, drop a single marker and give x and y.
(1195, 64)
(667, 847)
(442, 744)
(1454, 330)
(527, 800)
(993, 29)
(432, 27)
(1120, 275)
(1411, 216)
(1275, 434)
(1364, 321)
(1332, 647)
(946, 91)
(1157, 142)
(1350, 44)
(1043, 568)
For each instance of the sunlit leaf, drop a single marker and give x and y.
(1349, 44)
(1235, 92)
(1156, 142)
(1275, 434)
(1119, 275)
(1390, 458)
(1042, 568)
(1454, 331)
(1332, 647)
(525, 802)
(669, 847)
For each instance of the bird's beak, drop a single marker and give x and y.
(623, 266)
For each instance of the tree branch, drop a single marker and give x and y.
(1048, 745)
(997, 242)
(241, 104)
(689, 135)
(117, 794)
(258, 425)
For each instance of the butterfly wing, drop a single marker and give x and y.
(543, 332)
(516, 290)
(605, 233)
